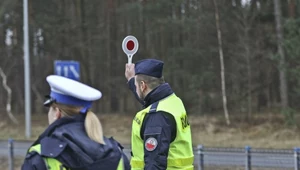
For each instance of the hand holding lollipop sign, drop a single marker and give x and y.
(130, 46)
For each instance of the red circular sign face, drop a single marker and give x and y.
(130, 45)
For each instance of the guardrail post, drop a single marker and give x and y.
(201, 156)
(297, 158)
(248, 158)
(11, 154)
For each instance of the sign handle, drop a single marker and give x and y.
(129, 59)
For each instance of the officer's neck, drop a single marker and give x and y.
(145, 93)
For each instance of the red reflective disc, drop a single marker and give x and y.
(130, 45)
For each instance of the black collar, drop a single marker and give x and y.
(157, 94)
(60, 122)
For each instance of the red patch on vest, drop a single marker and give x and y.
(151, 144)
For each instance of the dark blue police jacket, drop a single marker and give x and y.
(156, 159)
(67, 141)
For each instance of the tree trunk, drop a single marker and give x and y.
(282, 66)
(222, 63)
(247, 47)
(112, 54)
(8, 103)
(249, 75)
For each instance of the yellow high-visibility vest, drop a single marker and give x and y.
(180, 154)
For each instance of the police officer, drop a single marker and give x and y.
(74, 138)
(161, 134)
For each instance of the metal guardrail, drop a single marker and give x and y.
(11, 154)
(220, 157)
(247, 157)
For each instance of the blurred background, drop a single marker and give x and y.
(255, 41)
(182, 33)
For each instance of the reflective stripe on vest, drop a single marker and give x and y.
(180, 155)
(53, 164)
(171, 162)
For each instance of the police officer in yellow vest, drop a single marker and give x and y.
(74, 138)
(161, 134)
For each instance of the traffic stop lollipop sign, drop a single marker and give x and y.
(130, 46)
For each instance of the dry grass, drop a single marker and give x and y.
(4, 165)
(261, 132)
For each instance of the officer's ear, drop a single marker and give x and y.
(143, 85)
(58, 113)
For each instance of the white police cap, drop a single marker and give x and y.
(71, 92)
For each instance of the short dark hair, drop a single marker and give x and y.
(152, 82)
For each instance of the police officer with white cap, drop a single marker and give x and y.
(74, 138)
(161, 134)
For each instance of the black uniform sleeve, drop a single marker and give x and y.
(133, 89)
(158, 131)
(33, 161)
(126, 162)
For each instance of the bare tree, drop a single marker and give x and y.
(222, 62)
(8, 103)
(282, 66)
(246, 17)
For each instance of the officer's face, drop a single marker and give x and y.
(53, 114)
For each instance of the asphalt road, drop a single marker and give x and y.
(211, 156)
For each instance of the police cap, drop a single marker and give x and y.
(70, 92)
(149, 67)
